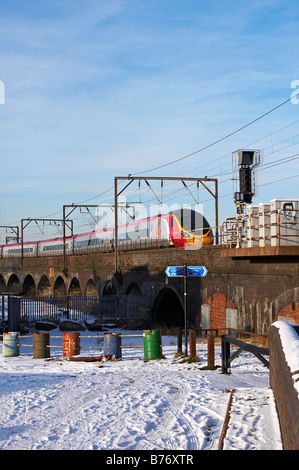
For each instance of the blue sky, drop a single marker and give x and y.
(98, 89)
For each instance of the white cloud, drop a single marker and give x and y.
(95, 89)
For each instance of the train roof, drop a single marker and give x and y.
(177, 213)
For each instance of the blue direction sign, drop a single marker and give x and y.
(198, 271)
(174, 271)
(178, 271)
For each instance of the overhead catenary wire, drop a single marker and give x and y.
(212, 144)
(222, 138)
(203, 148)
(193, 153)
(248, 145)
(174, 194)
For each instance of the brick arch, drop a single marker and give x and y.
(29, 287)
(287, 305)
(14, 285)
(91, 288)
(75, 288)
(59, 288)
(109, 288)
(168, 308)
(218, 304)
(133, 289)
(2, 284)
(44, 286)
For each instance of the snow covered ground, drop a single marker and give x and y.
(130, 404)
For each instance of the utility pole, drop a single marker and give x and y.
(130, 178)
(185, 309)
(65, 216)
(23, 226)
(85, 206)
(14, 229)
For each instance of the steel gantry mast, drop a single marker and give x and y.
(131, 178)
(85, 206)
(26, 222)
(14, 229)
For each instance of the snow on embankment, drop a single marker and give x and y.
(284, 379)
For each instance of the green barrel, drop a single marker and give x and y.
(11, 345)
(41, 342)
(152, 343)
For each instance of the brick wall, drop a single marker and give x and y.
(218, 304)
(284, 374)
(291, 311)
(259, 287)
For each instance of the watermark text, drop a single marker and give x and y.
(2, 92)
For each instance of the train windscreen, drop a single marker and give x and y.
(192, 221)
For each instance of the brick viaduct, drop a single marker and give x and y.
(252, 286)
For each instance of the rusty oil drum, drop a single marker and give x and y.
(41, 343)
(70, 344)
(11, 346)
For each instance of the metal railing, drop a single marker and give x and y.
(227, 358)
(106, 247)
(55, 308)
(268, 228)
(106, 307)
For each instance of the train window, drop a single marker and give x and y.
(55, 247)
(82, 243)
(192, 221)
(19, 250)
(206, 225)
(96, 241)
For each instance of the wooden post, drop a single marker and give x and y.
(192, 342)
(211, 352)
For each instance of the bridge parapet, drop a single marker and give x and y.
(254, 286)
(284, 375)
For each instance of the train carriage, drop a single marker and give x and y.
(180, 228)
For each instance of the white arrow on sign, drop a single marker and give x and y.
(197, 271)
(192, 271)
(174, 271)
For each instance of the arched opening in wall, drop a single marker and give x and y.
(133, 289)
(2, 284)
(287, 306)
(91, 290)
(75, 288)
(13, 285)
(109, 289)
(44, 287)
(168, 309)
(29, 286)
(59, 287)
(109, 301)
(290, 313)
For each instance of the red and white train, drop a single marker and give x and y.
(180, 228)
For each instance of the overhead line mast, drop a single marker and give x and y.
(131, 178)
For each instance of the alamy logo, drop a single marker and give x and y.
(295, 94)
(2, 92)
(152, 222)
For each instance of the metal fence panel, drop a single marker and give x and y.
(136, 307)
(54, 308)
(106, 307)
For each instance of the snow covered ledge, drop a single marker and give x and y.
(284, 379)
